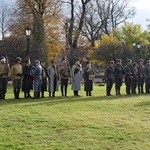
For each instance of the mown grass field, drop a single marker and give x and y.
(83, 123)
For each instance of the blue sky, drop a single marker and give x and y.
(142, 12)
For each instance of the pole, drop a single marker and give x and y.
(28, 46)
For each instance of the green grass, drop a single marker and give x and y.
(84, 123)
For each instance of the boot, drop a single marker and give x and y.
(29, 96)
(53, 94)
(38, 95)
(42, 94)
(90, 93)
(35, 95)
(15, 93)
(49, 94)
(87, 93)
(62, 92)
(25, 95)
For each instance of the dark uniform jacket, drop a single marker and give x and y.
(109, 73)
(129, 71)
(147, 71)
(119, 71)
(141, 71)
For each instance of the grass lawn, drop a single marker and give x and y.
(83, 123)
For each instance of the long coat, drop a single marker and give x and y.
(37, 78)
(44, 79)
(27, 83)
(77, 77)
(52, 72)
(88, 83)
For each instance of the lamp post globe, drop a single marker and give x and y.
(28, 33)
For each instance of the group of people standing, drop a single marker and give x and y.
(135, 75)
(40, 78)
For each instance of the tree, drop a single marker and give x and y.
(109, 48)
(104, 16)
(40, 15)
(74, 25)
(5, 18)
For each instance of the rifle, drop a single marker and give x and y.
(7, 62)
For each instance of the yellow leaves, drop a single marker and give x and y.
(108, 39)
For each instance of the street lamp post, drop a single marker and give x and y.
(28, 33)
(137, 48)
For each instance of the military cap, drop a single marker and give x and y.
(141, 60)
(129, 60)
(18, 58)
(2, 57)
(147, 61)
(111, 62)
(118, 60)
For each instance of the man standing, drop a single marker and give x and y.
(119, 72)
(76, 77)
(16, 74)
(64, 76)
(4, 74)
(88, 76)
(44, 78)
(27, 84)
(147, 73)
(128, 76)
(37, 79)
(141, 75)
(109, 77)
(53, 78)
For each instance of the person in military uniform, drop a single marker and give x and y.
(76, 77)
(4, 75)
(141, 75)
(135, 78)
(128, 76)
(27, 84)
(37, 79)
(64, 76)
(147, 75)
(88, 76)
(53, 75)
(44, 78)
(109, 77)
(16, 75)
(119, 74)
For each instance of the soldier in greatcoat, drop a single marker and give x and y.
(109, 77)
(53, 78)
(141, 75)
(16, 75)
(119, 75)
(135, 78)
(44, 78)
(4, 75)
(64, 76)
(128, 76)
(27, 83)
(37, 79)
(76, 77)
(88, 76)
(147, 75)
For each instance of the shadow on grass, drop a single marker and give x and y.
(71, 99)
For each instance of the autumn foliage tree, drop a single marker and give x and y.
(109, 48)
(44, 18)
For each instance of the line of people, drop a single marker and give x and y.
(135, 75)
(36, 77)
